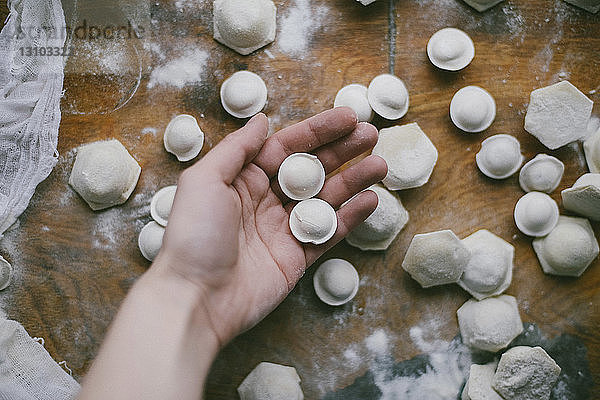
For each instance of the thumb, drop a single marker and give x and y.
(236, 150)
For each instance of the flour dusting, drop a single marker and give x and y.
(298, 26)
(181, 71)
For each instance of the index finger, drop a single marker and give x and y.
(305, 136)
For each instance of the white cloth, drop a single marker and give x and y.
(30, 91)
(27, 372)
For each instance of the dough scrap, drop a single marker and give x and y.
(270, 381)
(436, 258)
(489, 270)
(526, 373)
(558, 114)
(104, 174)
(409, 154)
(489, 324)
(380, 229)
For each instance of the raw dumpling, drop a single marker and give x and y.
(584, 196)
(183, 137)
(489, 270)
(270, 381)
(160, 206)
(500, 156)
(301, 176)
(6, 272)
(536, 214)
(388, 96)
(525, 373)
(558, 114)
(244, 25)
(150, 240)
(472, 109)
(380, 229)
(542, 174)
(436, 258)
(313, 221)
(489, 324)
(104, 174)
(336, 282)
(355, 97)
(409, 154)
(479, 384)
(450, 49)
(569, 249)
(243, 94)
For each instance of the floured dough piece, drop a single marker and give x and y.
(244, 25)
(6, 272)
(479, 384)
(589, 5)
(450, 49)
(436, 258)
(526, 373)
(270, 381)
(409, 154)
(584, 196)
(365, 2)
(104, 174)
(336, 282)
(388, 96)
(541, 174)
(301, 176)
(489, 270)
(536, 214)
(380, 229)
(243, 94)
(150, 240)
(591, 145)
(472, 109)
(313, 221)
(569, 249)
(482, 5)
(489, 324)
(355, 97)
(558, 114)
(183, 137)
(160, 206)
(500, 156)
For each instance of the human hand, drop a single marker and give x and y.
(228, 231)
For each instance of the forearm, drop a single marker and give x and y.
(159, 346)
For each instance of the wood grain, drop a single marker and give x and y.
(74, 266)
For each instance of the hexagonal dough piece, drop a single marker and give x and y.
(479, 384)
(380, 229)
(558, 114)
(583, 197)
(526, 373)
(591, 146)
(569, 249)
(104, 174)
(270, 381)
(489, 324)
(409, 154)
(489, 270)
(436, 258)
(244, 25)
(589, 5)
(482, 5)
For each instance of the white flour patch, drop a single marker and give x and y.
(181, 71)
(298, 26)
(378, 342)
(149, 131)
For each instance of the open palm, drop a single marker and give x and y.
(228, 231)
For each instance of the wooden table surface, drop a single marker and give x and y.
(74, 266)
